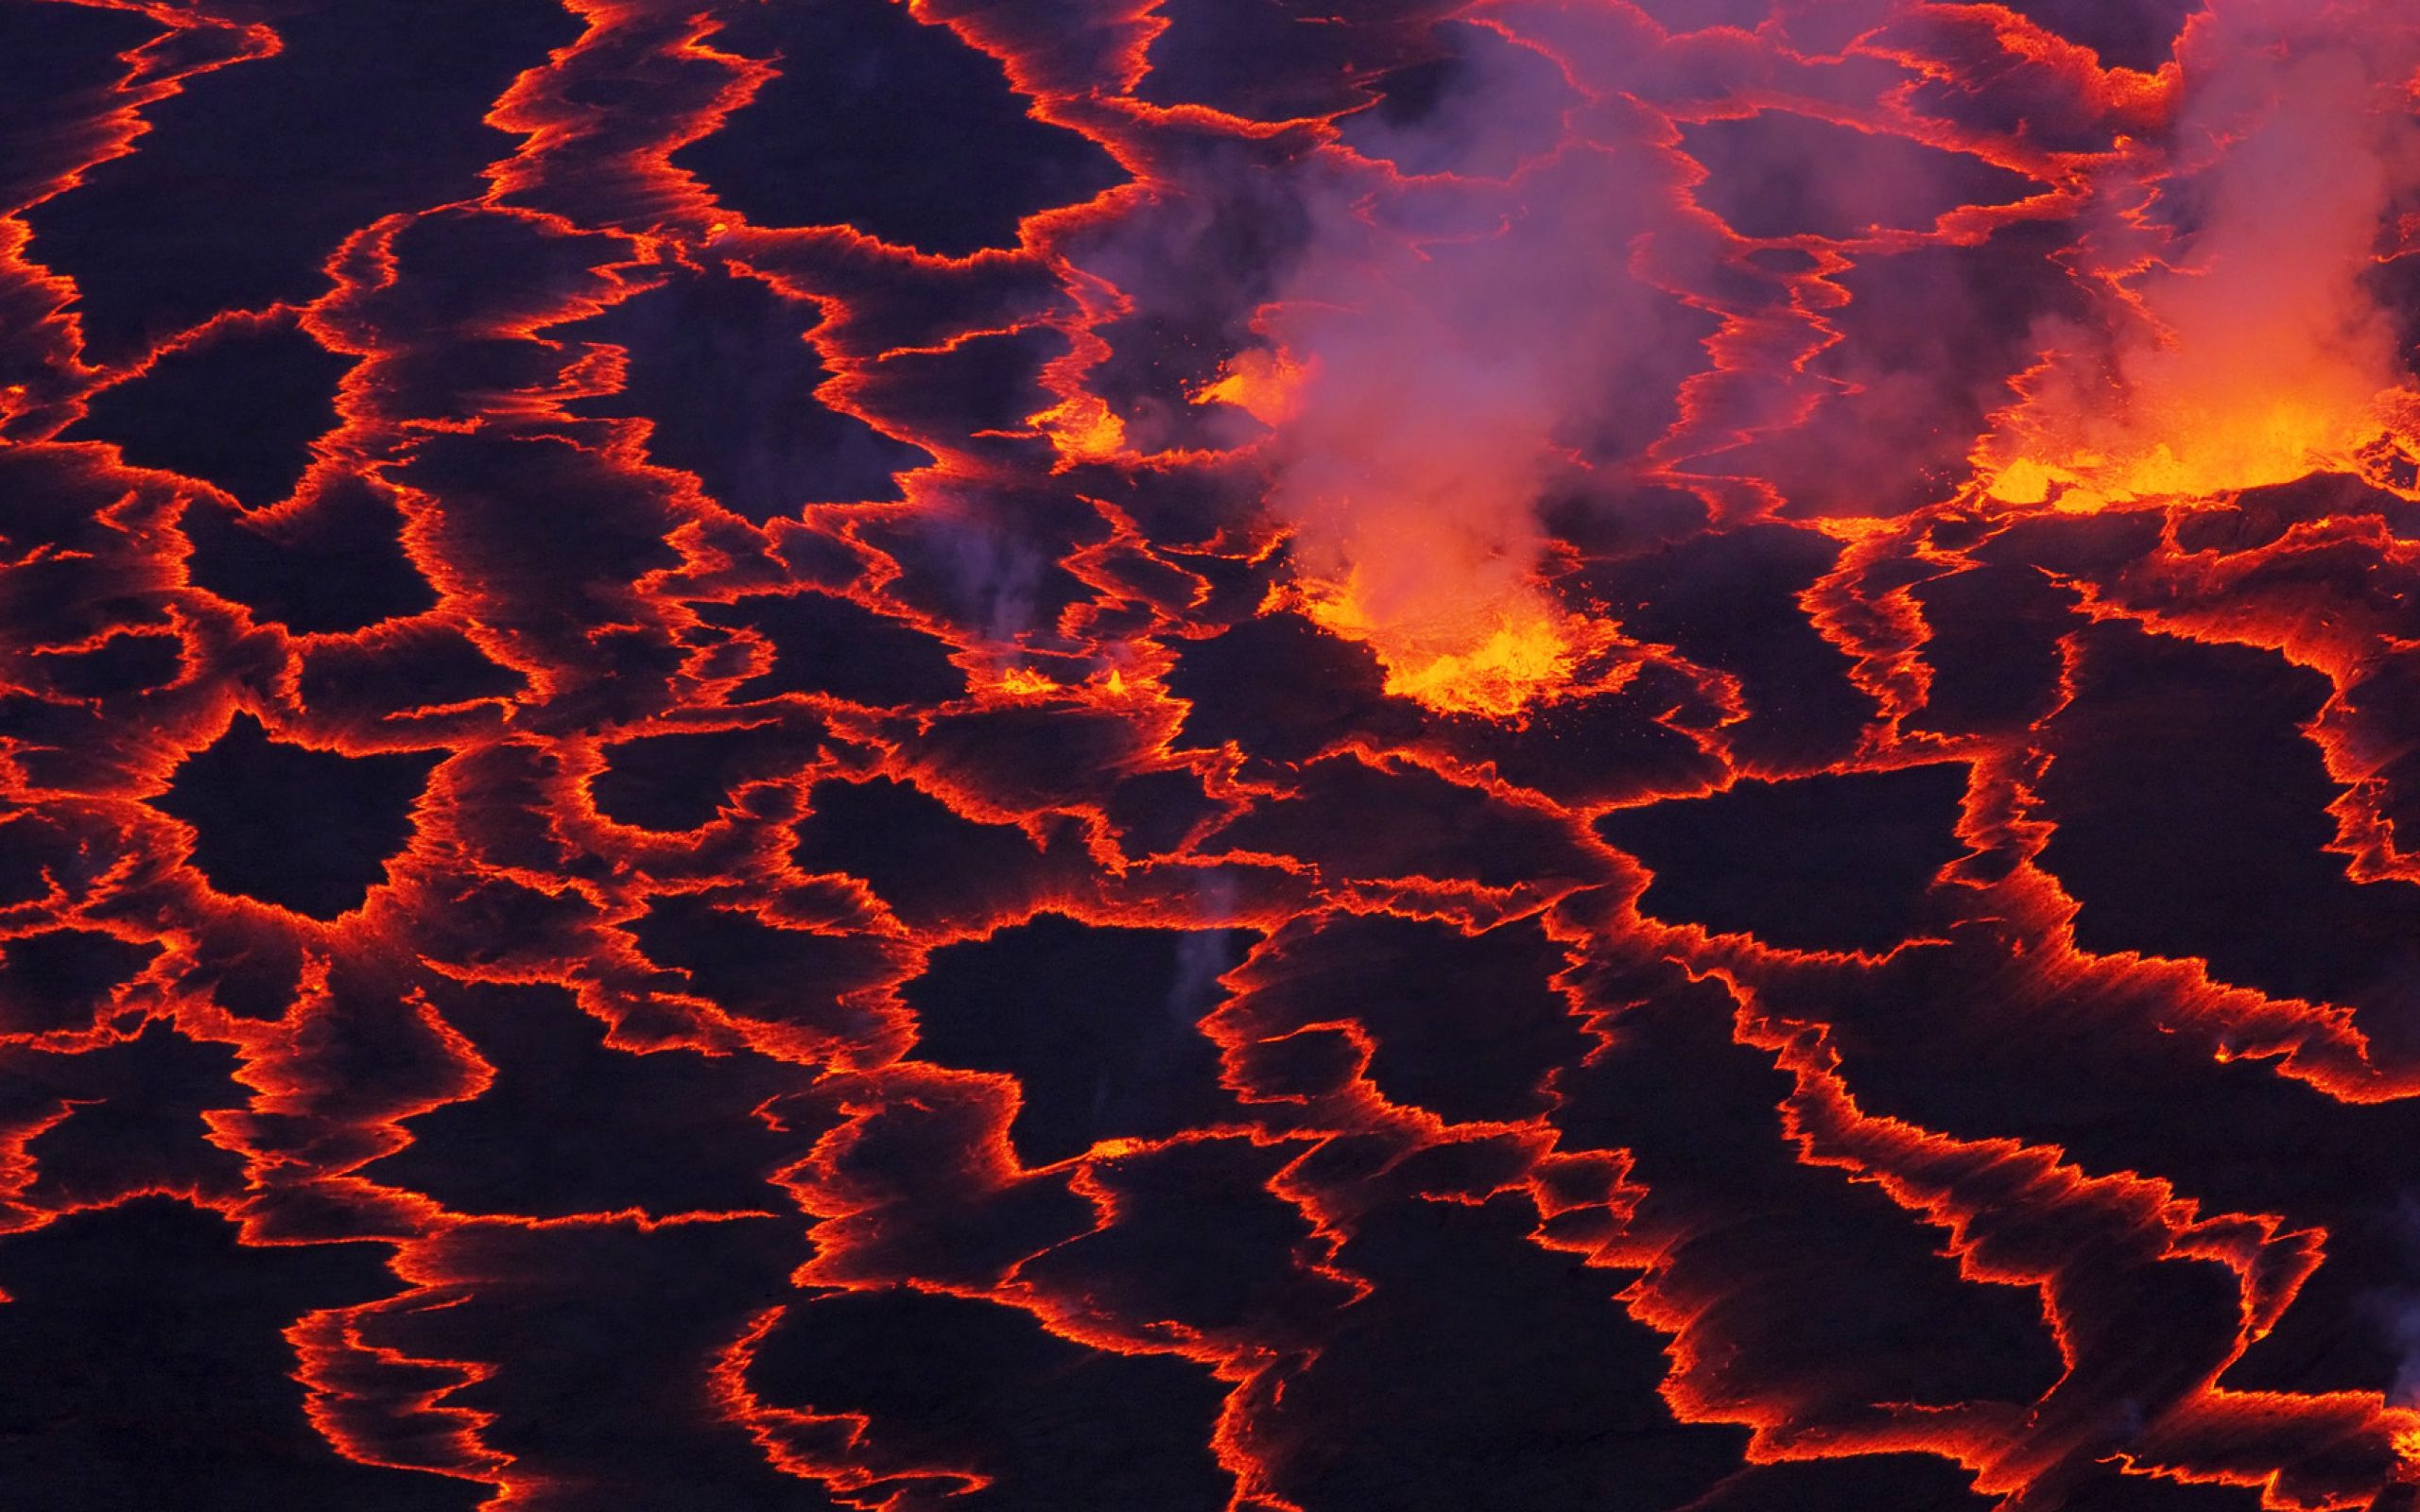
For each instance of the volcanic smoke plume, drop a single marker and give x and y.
(1613, 755)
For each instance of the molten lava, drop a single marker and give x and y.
(2182, 431)
(2246, 343)
(1265, 383)
(1496, 655)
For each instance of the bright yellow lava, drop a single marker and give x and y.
(2406, 1442)
(1082, 429)
(1025, 683)
(1494, 660)
(1266, 384)
(2201, 452)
